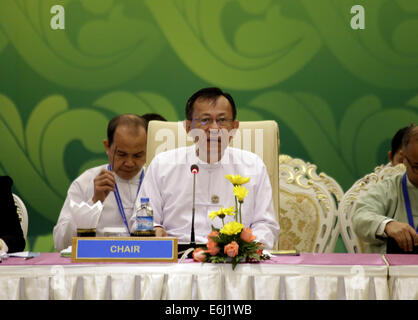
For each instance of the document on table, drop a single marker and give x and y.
(24, 254)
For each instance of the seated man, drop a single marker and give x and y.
(11, 234)
(152, 116)
(395, 155)
(125, 147)
(390, 207)
(210, 115)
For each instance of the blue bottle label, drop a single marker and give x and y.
(144, 223)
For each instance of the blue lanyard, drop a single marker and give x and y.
(407, 202)
(119, 200)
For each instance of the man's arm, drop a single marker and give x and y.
(264, 224)
(78, 211)
(371, 212)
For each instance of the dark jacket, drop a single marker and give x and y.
(10, 229)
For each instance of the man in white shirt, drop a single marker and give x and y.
(210, 118)
(105, 196)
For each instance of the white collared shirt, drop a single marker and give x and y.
(169, 185)
(101, 215)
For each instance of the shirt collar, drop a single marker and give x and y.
(195, 159)
(134, 180)
(409, 183)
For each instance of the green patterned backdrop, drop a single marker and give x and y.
(337, 93)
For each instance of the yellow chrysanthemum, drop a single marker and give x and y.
(232, 228)
(222, 212)
(213, 215)
(237, 180)
(240, 192)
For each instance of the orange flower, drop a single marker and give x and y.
(247, 235)
(213, 234)
(261, 248)
(199, 255)
(213, 248)
(231, 249)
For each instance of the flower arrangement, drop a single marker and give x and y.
(233, 242)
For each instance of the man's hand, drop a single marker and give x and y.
(403, 233)
(104, 183)
(160, 232)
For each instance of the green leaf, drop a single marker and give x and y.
(82, 56)
(38, 193)
(317, 142)
(37, 123)
(353, 118)
(368, 141)
(43, 243)
(158, 104)
(384, 59)
(254, 7)
(97, 6)
(263, 52)
(247, 114)
(3, 41)
(413, 102)
(321, 112)
(408, 6)
(60, 132)
(139, 103)
(11, 119)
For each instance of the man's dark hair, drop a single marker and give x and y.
(152, 116)
(208, 94)
(397, 140)
(410, 132)
(127, 119)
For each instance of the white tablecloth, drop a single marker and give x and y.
(193, 281)
(403, 276)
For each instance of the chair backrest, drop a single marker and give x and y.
(308, 207)
(22, 214)
(351, 241)
(260, 137)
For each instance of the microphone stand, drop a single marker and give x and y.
(192, 237)
(184, 247)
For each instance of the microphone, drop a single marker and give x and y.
(194, 170)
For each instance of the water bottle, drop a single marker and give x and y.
(144, 223)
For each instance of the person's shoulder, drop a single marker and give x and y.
(238, 151)
(171, 154)
(249, 156)
(385, 187)
(90, 173)
(392, 181)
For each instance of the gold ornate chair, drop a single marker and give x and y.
(260, 137)
(308, 207)
(22, 214)
(345, 211)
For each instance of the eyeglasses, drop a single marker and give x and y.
(221, 122)
(413, 167)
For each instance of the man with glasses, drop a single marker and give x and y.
(389, 210)
(211, 121)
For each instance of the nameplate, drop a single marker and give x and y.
(124, 249)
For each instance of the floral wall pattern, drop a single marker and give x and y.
(338, 94)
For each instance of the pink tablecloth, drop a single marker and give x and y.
(402, 259)
(50, 258)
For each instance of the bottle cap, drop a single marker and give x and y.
(144, 199)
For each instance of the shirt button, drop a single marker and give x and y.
(215, 199)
